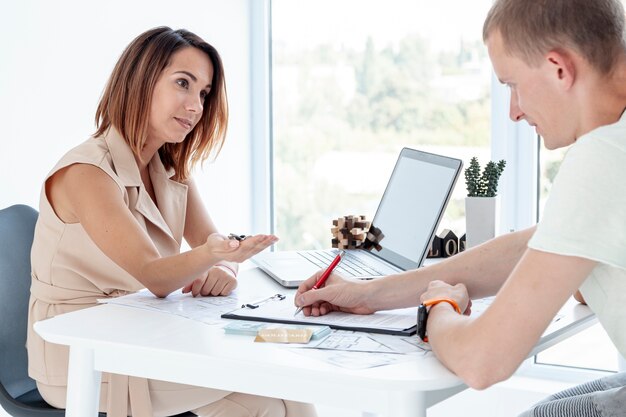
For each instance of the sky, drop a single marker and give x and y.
(443, 22)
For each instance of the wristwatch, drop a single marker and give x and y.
(422, 314)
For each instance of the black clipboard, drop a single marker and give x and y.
(280, 308)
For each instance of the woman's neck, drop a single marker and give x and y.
(147, 153)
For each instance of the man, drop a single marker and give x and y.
(565, 64)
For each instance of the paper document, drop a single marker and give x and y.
(351, 341)
(281, 310)
(205, 309)
(353, 360)
(402, 344)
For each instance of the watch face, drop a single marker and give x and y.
(422, 317)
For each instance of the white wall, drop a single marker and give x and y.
(56, 57)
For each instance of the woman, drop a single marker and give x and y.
(115, 209)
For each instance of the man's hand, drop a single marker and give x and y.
(338, 294)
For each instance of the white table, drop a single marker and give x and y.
(143, 343)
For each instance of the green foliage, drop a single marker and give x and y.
(472, 178)
(377, 98)
(485, 184)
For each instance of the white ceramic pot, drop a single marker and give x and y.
(481, 218)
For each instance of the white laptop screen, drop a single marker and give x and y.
(413, 204)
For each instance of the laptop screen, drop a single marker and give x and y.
(412, 206)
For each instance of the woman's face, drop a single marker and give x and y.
(178, 96)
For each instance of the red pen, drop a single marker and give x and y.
(320, 282)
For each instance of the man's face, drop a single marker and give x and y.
(535, 94)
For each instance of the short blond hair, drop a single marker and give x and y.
(127, 98)
(531, 28)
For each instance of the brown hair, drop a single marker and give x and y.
(530, 28)
(127, 98)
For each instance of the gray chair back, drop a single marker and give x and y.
(17, 224)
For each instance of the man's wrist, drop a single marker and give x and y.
(434, 301)
(376, 295)
(424, 310)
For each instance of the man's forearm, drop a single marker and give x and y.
(482, 269)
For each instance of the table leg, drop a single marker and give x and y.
(83, 384)
(407, 405)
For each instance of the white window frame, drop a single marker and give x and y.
(261, 149)
(517, 144)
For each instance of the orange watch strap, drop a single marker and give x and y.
(435, 301)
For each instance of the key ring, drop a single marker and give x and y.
(239, 238)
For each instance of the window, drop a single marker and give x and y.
(549, 163)
(589, 349)
(592, 348)
(355, 81)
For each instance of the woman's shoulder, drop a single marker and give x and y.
(93, 151)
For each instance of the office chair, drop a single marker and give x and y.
(18, 392)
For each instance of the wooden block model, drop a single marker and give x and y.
(353, 232)
(373, 238)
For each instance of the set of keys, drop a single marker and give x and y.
(240, 238)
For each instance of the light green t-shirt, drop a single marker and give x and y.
(585, 216)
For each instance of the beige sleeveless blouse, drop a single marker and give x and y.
(69, 272)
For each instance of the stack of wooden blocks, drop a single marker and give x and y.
(355, 232)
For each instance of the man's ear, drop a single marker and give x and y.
(562, 65)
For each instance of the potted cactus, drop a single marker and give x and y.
(482, 203)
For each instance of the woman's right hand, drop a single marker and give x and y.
(218, 281)
(233, 250)
(338, 294)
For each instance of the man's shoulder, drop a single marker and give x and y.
(609, 138)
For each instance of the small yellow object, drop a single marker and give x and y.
(284, 335)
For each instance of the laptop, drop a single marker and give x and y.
(408, 215)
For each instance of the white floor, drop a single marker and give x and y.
(506, 399)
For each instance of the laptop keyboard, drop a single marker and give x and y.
(350, 266)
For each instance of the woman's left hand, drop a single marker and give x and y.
(458, 293)
(218, 281)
